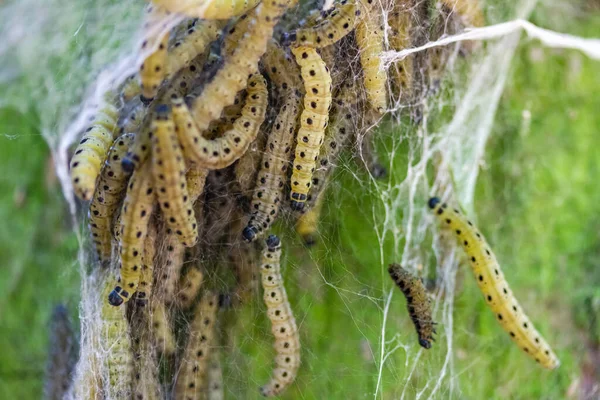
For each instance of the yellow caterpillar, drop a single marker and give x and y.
(133, 121)
(494, 287)
(189, 287)
(215, 377)
(283, 323)
(469, 10)
(111, 186)
(160, 326)
(417, 302)
(154, 68)
(192, 371)
(370, 40)
(136, 212)
(272, 175)
(195, 42)
(146, 385)
(313, 121)
(212, 9)
(307, 223)
(400, 22)
(222, 152)
(116, 344)
(338, 23)
(92, 149)
(147, 275)
(168, 170)
(172, 264)
(130, 89)
(233, 76)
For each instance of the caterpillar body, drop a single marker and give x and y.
(283, 323)
(469, 10)
(236, 33)
(233, 76)
(196, 179)
(196, 41)
(494, 287)
(370, 40)
(307, 223)
(190, 286)
(313, 121)
(136, 212)
(212, 9)
(417, 301)
(139, 149)
(338, 23)
(400, 22)
(222, 152)
(215, 377)
(168, 170)
(146, 384)
(109, 191)
(171, 267)
(130, 89)
(117, 345)
(133, 121)
(92, 149)
(272, 175)
(160, 326)
(146, 277)
(194, 365)
(154, 68)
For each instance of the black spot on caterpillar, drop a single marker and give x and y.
(223, 151)
(339, 22)
(492, 284)
(313, 121)
(168, 172)
(283, 323)
(92, 149)
(107, 196)
(135, 216)
(418, 303)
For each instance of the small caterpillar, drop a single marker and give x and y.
(494, 287)
(146, 385)
(195, 42)
(189, 287)
(212, 9)
(136, 212)
(313, 121)
(92, 149)
(130, 89)
(139, 149)
(233, 76)
(222, 152)
(283, 323)
(117, 345)
(154, 68)
(134, 119)
(160, 326)
(168, 171)
(236, 33)
(192, 371)
(109, 192)
(146, 277)
(270, 182)
(215, 377)
(307, 223)
(172, 263)
(417, 302)
(400, 22)
(370, 40)
(338, 23)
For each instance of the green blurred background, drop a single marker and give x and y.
(537, 201)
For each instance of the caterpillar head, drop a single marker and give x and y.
(433, 202)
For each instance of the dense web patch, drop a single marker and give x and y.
(431, 142)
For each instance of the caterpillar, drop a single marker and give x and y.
(196, 179)
(160, 325)
(130, 89)
(313, 121)
(233, 76)
(194, 42)
(189, 287)
(62, 354)
(339, 22)
(171, 265)
(271, 178)
(212, 9)
(109, 191)
(168, 171)
(192, 371)
(133, 121)
(370, 40)
(222, 152)
(154, 68)
(283, 323)
(146, 277)
(236, 33)
(117, 346)
(136, 212)
(307, 223)
(494, 287)
(469, 10)
(215, 377)
(400, 22)
(92, 149)
(139, 149)
(417, 301)
(146, 385)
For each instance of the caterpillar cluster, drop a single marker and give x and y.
(213, 141)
